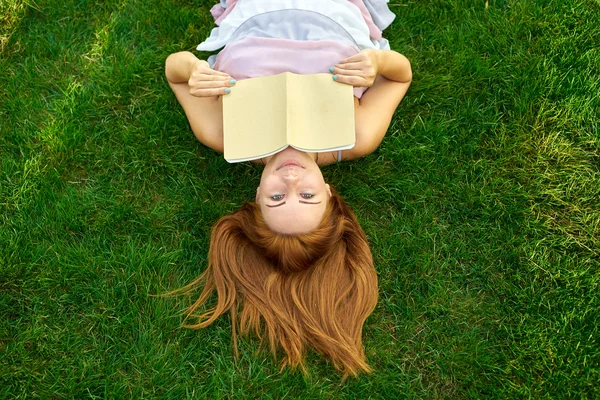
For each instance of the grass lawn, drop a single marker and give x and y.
(482, 206)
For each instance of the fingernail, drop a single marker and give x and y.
(334, 77)
(331, 69)
(227, 90)
(232, 82)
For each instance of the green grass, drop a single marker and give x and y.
(482, 206)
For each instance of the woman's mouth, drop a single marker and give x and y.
(290, 163)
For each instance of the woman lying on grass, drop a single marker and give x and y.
(295, 263)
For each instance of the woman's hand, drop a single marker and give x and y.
(206, 82)
(359, 70)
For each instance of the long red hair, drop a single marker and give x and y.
(306, 290)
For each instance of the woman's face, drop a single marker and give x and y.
(292, 194)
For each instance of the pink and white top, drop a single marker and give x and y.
(268, 37)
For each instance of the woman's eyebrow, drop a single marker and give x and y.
(300, 201)
(276, 205)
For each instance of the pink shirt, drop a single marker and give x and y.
(252, 57)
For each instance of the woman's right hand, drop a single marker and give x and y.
(206, 82)
(359, 70)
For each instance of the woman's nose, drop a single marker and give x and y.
(290, 176)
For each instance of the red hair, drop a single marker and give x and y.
(305, 290)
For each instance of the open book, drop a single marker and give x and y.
(262, 116)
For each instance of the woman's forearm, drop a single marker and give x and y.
(179, 66)
(393, 66)
(376, 108)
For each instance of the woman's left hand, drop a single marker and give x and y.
(359, 70)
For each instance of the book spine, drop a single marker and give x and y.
(288, 122)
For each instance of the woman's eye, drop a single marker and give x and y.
(277, 197)
(307, 195)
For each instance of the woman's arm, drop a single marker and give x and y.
(203, 81)
(198, 89)
(388, 75)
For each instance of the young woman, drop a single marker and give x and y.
(295, 264)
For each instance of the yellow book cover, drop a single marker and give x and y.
(262, 116)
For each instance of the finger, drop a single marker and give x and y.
(229, 81)
(344, 71)
(205, 68)
(210, 92)
(220, 73)
(203, 76)
(211, 81)
(353, 58)
(210, 73)
(350, 80)
(207, 85)
(351, 65)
